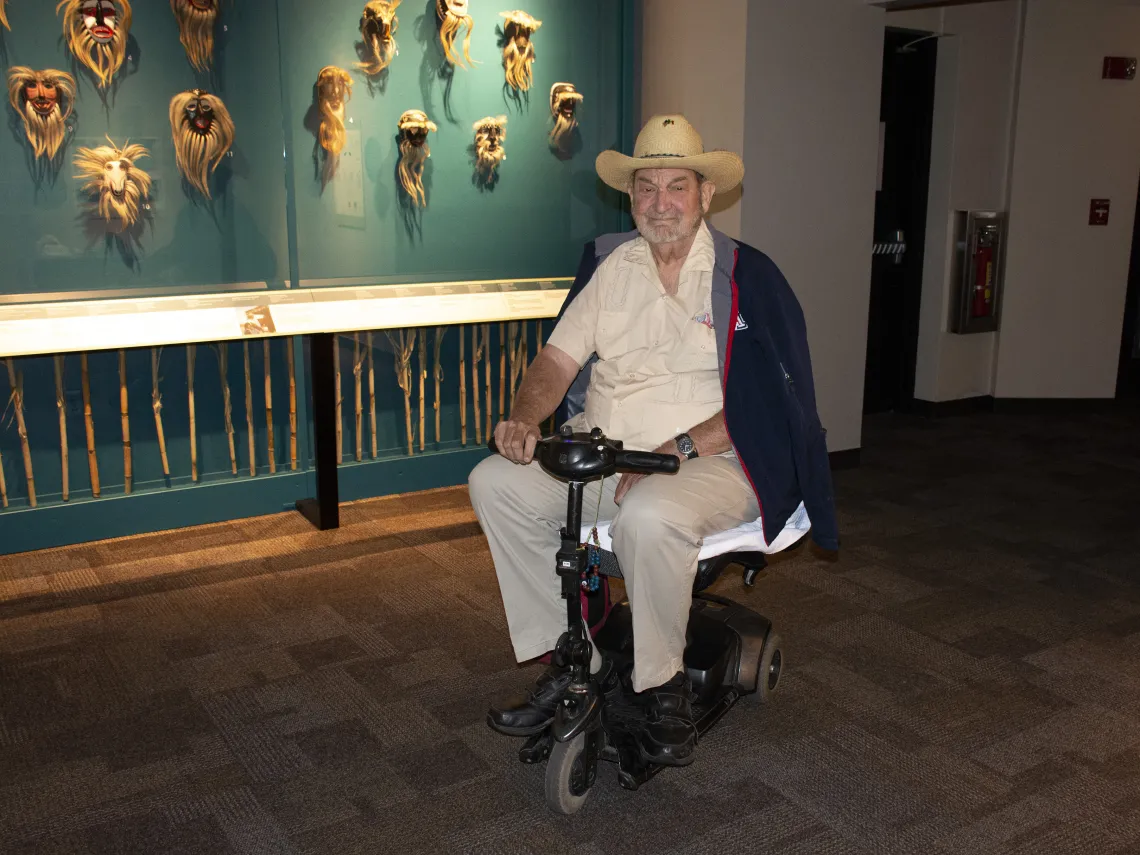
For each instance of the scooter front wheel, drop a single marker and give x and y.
(568, 778)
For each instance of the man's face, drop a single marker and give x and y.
(668, 203)
(42, 95)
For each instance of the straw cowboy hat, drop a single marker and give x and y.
(670, 142)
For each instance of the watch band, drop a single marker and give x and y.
(685, 445)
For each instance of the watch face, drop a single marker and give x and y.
(685, 445)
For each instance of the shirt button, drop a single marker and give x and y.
(631, 376)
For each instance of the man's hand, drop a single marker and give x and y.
(625, 484)
(516, 440)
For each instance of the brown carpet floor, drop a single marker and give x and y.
(965, 680)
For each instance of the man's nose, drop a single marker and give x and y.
(660, 203)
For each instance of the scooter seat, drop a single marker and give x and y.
(745, 538)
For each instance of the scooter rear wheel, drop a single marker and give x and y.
(771, 666)
(566, 776)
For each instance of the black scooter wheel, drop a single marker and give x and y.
(567, 776)
(771, 667)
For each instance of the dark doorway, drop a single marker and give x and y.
(1128, 377)
(907, 114)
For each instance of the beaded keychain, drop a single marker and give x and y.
(591, 581)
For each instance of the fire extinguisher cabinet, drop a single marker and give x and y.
(979, 267)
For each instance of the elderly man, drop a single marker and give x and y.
(685, 342)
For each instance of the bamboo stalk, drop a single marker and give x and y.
(339, 403)
(3, 485)
(525, 352)
(191, 360)
(269, 407)
(439, 333)
(502, 371)
(487, 366)
(156, 405)
(223, 352)
(423, 377)
(249, 410)
(357, 367)
(22, 428)
(372, 395)
(61, 406)
(476, 355)
(125, 418)
(404, 343)
(538, 338)
(462, 389)
(517, 355)
(89, 426)
(292, 404)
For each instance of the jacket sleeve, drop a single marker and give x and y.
(813, 465)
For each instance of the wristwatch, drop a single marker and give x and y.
(685, 445)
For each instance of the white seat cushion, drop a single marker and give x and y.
(747, 537)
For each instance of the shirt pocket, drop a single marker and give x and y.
(618, 335)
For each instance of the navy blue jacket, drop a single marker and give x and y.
(769, 392)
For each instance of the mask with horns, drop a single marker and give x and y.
(203, 132)
(44, 100)
(110, 173)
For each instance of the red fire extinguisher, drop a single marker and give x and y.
(983, 296)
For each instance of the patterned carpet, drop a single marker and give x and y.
(964, 680)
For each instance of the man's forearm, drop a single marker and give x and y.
(544, 386)
(711, 436)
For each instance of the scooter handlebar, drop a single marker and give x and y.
(646, 462)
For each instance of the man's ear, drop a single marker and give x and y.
(708, 190)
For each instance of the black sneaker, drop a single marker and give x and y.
(669, 735)
(532, 711)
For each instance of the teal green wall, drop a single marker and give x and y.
(271, 223)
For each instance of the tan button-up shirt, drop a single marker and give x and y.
(657, 373)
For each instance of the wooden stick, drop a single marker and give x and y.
(22, 428)
(249, 410)
(124, 416)
(538, 339)
(269, 407)
(403, 346)
(525, 350)
(61, 406)
(223, 352)
(439, 332)
(339, 403)
(191, 359)
(476, 355)
(372, 395)
(517, 355)
(502, 371)
(292, 404)
(462, 389)
(156, 405)
(3, 485)
(357, 367)
(423, 378)
(487, 365)
(89, 425)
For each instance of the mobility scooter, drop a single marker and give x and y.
(731, 651)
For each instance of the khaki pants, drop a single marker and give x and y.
(657, 532)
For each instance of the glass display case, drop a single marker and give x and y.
(198, 429)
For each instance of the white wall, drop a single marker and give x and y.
(700, 77)
(973, 111)
(1078, 138)
(811, 132)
